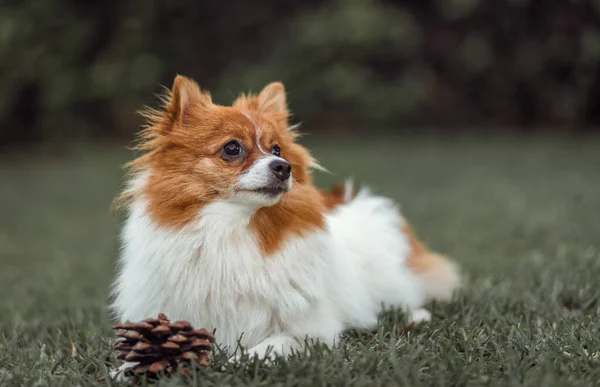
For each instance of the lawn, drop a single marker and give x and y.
(521, 216)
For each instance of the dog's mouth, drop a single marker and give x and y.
(268, 191)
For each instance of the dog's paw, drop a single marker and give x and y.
(419, 316)
(267, 351)
(266, 359)
(119, 374)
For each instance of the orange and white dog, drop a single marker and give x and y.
(226, 230)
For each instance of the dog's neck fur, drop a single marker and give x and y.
(299, 212)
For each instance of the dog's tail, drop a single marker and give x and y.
(440, 275)
(339, 194)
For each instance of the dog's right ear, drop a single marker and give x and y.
(186, 96)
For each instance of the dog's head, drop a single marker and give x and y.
(200, 152)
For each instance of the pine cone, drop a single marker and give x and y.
(159, 346)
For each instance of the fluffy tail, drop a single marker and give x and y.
(439, 274)
(339, 194)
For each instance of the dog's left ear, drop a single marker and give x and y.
(272, 99)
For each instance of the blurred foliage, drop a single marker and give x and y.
(77, 69)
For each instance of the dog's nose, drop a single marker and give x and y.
(281, 168)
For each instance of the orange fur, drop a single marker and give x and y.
(438, 272)
(420, 259)
(335, 197)
(183, 144)
(300, 211)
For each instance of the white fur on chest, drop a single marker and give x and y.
(214, 275)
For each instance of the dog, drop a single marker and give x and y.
(225, 229)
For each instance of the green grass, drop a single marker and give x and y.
(522, 216)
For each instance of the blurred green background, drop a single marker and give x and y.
(79, 69)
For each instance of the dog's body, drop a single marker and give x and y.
(237, 239)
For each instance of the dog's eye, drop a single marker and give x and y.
(232, 149)
(276, 150)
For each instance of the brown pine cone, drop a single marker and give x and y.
(159, 346)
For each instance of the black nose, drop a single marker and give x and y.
(281, 169)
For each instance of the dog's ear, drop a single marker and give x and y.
(272, 99)
(185, 95)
